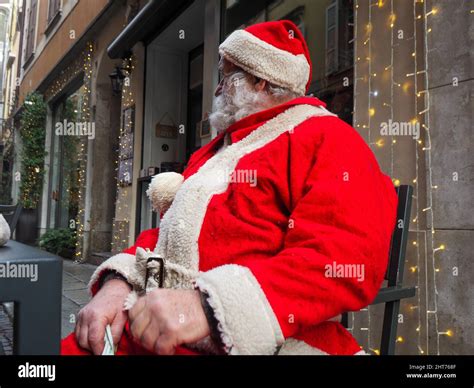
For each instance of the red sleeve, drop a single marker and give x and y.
(146, 239)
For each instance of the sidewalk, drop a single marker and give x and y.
(75, 294)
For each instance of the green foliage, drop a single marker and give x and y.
(58, 241)
(6, 176)
(32, 133)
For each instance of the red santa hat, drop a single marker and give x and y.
(274, 51)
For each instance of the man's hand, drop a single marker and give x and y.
(164, 319)
(105, 308)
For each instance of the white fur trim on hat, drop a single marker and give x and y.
(265, 61)
(246, 321)
(163, 188)
(4, 231)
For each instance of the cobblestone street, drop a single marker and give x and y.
(75, 295)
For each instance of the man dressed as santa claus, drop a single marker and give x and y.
(276, 227)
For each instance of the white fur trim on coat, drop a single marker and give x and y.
(246, 320)
(125, 265)
(181, 225)
(266, 61)
(294, 347)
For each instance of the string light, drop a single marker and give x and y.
(118, 242)
(82, 171)
(417, 83)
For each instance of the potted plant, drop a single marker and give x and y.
(61, 242)
(32, 154)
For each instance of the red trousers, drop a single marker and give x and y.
(126, 346)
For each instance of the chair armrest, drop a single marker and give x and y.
(391, 294)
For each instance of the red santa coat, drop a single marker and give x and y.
(264, 249)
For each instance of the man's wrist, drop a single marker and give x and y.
(211, 320)
(113, 276)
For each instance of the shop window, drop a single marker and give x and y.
(65, 164)
(194, 114)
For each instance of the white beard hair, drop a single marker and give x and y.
(227, 108)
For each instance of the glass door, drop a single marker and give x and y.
(65, 161)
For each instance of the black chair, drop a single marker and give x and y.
(11, 214)
(394, 292)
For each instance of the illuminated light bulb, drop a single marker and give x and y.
(413, 269)
(396, 182)
(442, 247)
(399, 339)
(392, 19)
(394, 141)
(449, 333)
(371, 112)
(380, 3)
(377, 352)
(437, 270)
(379, 143)
(414, 242)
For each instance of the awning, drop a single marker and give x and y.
(148, 23)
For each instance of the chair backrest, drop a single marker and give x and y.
(394, 274)
(11, 213)
(394, 292)
(396, 262)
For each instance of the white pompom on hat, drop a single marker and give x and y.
(162, 190)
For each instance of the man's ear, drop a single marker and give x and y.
(260, 84)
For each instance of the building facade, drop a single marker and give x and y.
(129, 85)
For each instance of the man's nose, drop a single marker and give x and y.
(218, 90)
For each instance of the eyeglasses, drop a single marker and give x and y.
(224, 77)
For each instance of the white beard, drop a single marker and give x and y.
(230, 108)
